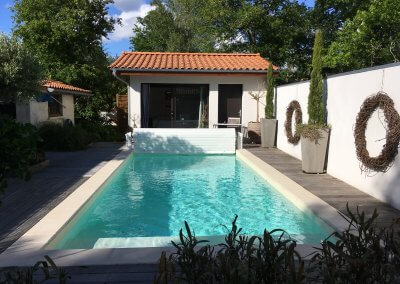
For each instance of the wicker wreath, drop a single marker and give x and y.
(294, 106)
(385, 159)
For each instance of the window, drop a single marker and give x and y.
(55, 106)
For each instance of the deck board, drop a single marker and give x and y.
(27, 202)
(332, 190)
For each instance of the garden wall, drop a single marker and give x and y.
(345, 94)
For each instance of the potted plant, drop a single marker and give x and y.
(254, 130)
(268, 124)
(315, 134)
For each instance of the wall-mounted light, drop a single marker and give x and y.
(50, 90)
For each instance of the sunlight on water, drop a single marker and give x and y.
(151, 195)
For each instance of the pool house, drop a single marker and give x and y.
(191, 90)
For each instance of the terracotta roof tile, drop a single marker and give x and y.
(62, 86)
(168, 61)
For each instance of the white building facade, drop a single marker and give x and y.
(190, 90)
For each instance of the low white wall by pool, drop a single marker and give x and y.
(345, 94)
(185, 140)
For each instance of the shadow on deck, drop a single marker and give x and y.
(332, 190)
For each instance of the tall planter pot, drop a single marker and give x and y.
(254, 132)
(314, 153)
(268, 132)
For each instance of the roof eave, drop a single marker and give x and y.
(67, 92)
(131, 70)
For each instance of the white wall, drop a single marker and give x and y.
(23, 113)
(284, 96)
(68, 111)
(250, 83)
(345, 95)
(38, 112)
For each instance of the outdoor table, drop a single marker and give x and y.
(233, 125)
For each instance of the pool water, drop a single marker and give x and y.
(148, 198)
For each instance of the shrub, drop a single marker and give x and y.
(19, 149)
(57, 137)
(315, 104)
(269, 104)
(102, 131)
(41, 272)
(271, 258)
(360, 254)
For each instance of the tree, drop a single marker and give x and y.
(269, 105)
(66, 36)
(371, 38)
(331, 15)
(279, 30)
(20, 73)
(175, 25)
(315, 105)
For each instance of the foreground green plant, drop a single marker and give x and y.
(270, 258)
(360, 254)
(41, 272)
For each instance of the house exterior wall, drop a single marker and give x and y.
(23, 113)
(38, 112)
(345, 95)
(68, 111)
(250, 83)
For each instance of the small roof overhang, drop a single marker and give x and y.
(57, 87)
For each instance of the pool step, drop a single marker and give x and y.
(140, 242)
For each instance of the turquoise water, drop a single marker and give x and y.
(151, 195)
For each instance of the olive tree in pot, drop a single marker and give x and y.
(253, 127)
(268, 124)
(315, 134)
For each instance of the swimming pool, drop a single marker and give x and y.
(147, 199)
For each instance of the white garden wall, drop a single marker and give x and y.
(345, 95)
(285, 95)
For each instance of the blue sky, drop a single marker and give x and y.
(118, 41)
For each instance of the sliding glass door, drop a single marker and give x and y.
(174, 105)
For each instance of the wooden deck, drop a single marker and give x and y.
(26, 202)
(332, 190)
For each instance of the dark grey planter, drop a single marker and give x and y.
(268, 132)
(313, 153)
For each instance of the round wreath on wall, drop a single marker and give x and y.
(385, 159)
(295, 107)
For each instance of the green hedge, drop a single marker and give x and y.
(19, 149)
(57, 137)
(101, 131)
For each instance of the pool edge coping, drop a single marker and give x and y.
(297, 194)
(29, 248)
